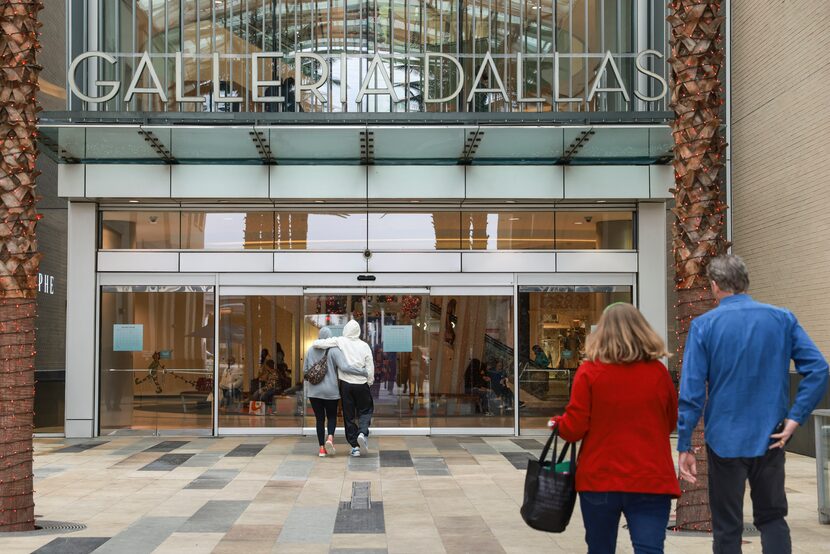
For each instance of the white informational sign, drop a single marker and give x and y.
(397, 338)
(128, 338)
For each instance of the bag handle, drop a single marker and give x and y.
(553, 439)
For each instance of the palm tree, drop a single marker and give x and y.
(697, 57)
(19, 258)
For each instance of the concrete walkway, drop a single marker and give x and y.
(262, 494)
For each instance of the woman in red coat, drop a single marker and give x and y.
(623, 408)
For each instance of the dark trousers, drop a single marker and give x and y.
(727, 483)
(324, 409)
(647, 516)
(358, 408)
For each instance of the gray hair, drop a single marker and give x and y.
(729, 272)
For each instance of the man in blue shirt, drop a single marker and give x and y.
(741, 352)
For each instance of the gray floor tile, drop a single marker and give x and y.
(207, 484)
(358, 551)
(293, 469)
(227, 474)
(203, 459)
(166, 446)
(308, 524)
(395, 458)
(72, 545)
(361, 495)
(44, 472)
(80, 447)
(167, 462)
(364, 464)
(529, 444)
(245, 451)
(306, 445)
(216, 516)
(518, 459)
(479, 448)
(351, 521)
(143, 536)
(433, 472)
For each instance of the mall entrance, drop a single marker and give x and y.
(225, 360)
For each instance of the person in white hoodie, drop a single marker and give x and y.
(358, 405)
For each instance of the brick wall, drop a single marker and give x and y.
(781, 154)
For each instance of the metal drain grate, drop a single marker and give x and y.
(49, 527)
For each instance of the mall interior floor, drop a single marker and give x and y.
(264, 494)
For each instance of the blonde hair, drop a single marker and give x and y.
(624, 336)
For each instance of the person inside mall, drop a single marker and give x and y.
(740, 354)
(358, 405)
(324, 396)
(623, 408)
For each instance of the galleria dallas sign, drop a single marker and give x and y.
(376, 73)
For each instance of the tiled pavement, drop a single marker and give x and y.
(262, 494)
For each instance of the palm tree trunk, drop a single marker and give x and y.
(697, 57)
(19, 258)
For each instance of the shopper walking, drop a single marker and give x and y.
(358, 406)
(324, 396)
(623, 407)
(740, 354)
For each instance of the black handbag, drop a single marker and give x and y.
(550, 496)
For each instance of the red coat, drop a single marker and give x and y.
(624, 415)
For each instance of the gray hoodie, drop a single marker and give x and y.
(357, 353)
(328, 388)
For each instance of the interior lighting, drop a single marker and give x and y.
(133, 201)
(577, 223)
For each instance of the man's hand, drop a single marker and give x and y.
(782, 438)
(688, 467)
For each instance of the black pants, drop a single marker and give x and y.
(324, 409)
(358, 408)
(727, 483)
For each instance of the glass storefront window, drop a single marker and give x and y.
(139, 230)
(320, 231)
(260, 370)
(553, 325)
(414, 231)
(594, 230)
(156, 368)
(228, 230)
(508, 230)
(471, 353)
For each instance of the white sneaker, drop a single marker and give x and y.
(355, 452)
(363, 444)
(329, 446)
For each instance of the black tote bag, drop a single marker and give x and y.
(550, 496)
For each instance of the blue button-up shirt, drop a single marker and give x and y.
(742, 351)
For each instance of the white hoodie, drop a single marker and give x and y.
(357, 353)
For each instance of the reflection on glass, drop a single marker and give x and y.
(508, 230)
(471, 353)
(320, 231)
(139, 230)
(156, 360)
(595, 230)
(415, 231)
(554, 323)
(228, 231)
(259, 375)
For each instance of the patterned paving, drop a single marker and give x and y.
(410, 495)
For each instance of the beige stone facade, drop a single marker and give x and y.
(781, 155)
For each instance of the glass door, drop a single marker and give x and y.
(156, 360)
(395, 324)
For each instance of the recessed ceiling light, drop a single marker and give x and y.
(133, 201)
(513, 219)
(320, 201)
(415, 201)
(601, 201)
(577, 223)
(510, 201)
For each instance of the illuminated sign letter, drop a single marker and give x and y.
(595, 88)
(487, 62)
(459, 77)
(313, 87)
(520, 82)
(376, 66)
(180, 97)
(73, 85)
(145, 62)
(255, 81)
(645, 71)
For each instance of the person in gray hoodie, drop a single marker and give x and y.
(358, 406)
(325, 394)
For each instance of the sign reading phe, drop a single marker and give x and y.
(397, 338)
(128, 338)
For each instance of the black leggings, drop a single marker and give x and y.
(324, 409)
